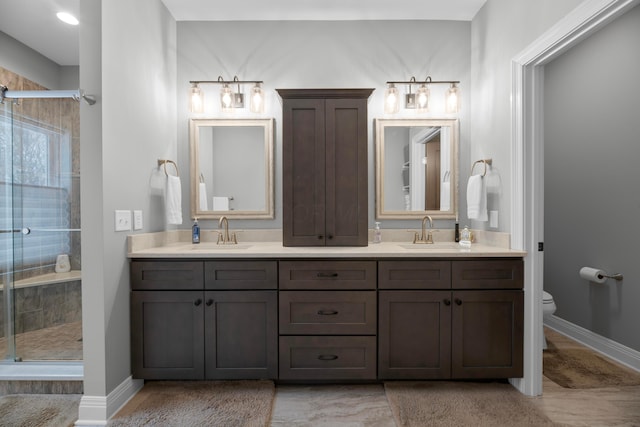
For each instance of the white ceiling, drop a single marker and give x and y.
(34, 22)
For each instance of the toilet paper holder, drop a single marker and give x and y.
(598, 276)
(616, 276)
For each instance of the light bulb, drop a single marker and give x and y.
(452, 100)
(197, 99)
(257, 99)
(391, 104)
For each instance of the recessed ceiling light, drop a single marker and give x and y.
(68, 18)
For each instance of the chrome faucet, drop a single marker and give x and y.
(426, 238)
(224, 238)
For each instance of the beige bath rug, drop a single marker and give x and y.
(583, 368)
(448, 403)
(39, 410)
(199, 403)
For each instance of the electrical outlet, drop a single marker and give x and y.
(123, 220)
(137, 220)
(493, 219)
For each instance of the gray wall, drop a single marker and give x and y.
(128, 59)
(499, 31)
(592, 202)
(316, 54)
(23, 60)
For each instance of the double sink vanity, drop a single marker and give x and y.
(315, 301)
(392, 310)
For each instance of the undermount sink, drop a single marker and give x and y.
(438, 246)
(215, 246)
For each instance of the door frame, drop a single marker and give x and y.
(527, 170)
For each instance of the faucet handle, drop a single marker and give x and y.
(233, 238)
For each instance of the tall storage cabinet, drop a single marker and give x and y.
(324, 165)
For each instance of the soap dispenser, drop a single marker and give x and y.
(195, 232)
(465, 237)
(377, 234)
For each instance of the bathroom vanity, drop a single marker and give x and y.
(386, 311)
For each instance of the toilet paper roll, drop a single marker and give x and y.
(593, 274)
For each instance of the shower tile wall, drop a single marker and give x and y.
(63, 114)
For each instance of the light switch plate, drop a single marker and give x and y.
(123, 220)
(137, 220)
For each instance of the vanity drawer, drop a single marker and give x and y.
(414, 274)
(235, 275)
(488, 274)
(327, 358)
(327, 312)
(321, 275)
(166, 275)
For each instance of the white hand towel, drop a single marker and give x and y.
(173, 200)
(477, 198)
(202, 196)
(220, 203)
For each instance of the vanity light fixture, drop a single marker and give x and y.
(391, 104)
(229, 100)
(420, 99)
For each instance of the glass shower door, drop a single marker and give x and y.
(40, 243)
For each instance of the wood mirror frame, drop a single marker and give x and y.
(261, 137)
(445, 167)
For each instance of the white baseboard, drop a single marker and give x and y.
(96, 410)
(612, 349)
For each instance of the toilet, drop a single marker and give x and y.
(548, 308)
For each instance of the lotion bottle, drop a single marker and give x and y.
(377, 234)
(195, 232)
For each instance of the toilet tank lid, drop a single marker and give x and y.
(546, 296)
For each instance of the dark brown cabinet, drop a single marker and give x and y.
(435, 333)
(188, 329)
(328, 320)
(324, 167)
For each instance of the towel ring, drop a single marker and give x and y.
(164, 163)
(485, 161)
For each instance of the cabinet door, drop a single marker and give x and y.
(487, 334)
(414, 334)
(166, 335)
(167, 275)
(241, 338)
(346, 172)
(303, 172)
(488, 274)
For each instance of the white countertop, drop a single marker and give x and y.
(276, 250)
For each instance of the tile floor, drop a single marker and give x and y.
(62, 342)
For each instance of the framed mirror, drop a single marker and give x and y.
(416, 168)
(231, 168)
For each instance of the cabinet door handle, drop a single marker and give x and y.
(327, 312)
(447, 301)
(209, 302)
(458, 301)
(197, 302)
(327, 357)
(324, 274)
(329, 237)
(320, 237)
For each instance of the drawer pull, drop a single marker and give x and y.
(327, 357)
(197, 302)
(327, 275)
(327, 312)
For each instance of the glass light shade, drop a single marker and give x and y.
(256, 104)
(391, 100)
(422, 99)
(226, 98)
(452, 99)
(196, 99)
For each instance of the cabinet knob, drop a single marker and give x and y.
(330, 237)
(327, 312)
(327, 357)
(320, 237)
(458, 301)
(447, 301)
(209, 302)
(197, 302)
